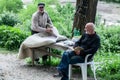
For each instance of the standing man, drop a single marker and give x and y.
(40, 21)
(87, 44)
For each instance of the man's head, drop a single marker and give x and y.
(41, 7)
(89, 28)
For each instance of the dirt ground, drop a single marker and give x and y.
(13, 69)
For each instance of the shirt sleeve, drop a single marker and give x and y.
(77, 43)
(49, 20)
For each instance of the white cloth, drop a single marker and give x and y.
(36, 41)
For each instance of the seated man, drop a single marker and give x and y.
(40, 23)
(87, 44)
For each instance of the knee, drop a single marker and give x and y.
(65, 53)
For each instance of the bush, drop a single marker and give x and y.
(109, 69)
(11, 38)
(26, 14)
(64, 22)
(47, 2)
(110, 38)
(9, 19)
(10, 5)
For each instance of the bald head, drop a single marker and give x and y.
(89, 28)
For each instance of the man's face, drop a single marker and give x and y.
(89, 29)
(41, 8)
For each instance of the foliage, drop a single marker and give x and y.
(26, 13)
(47, 2)
(64, 21)
(55, 51)
(8, 18)
(110, 38)
(11, 38)
(98, 19)
(10, 5)
(109, 67)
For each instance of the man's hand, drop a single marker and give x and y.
(77, 52)
(49, 30)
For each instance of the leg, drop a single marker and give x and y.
(70, 71)
(65, 60)
(64, 63)
(44, 58)
(36, 59)
(76, 59)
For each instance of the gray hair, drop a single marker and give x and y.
(91, 24)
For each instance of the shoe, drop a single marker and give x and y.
(58, 75)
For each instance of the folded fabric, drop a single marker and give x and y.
(36, 41)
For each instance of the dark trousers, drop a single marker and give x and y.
(68, 57)
(44, 58)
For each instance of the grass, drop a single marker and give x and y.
(5, 51)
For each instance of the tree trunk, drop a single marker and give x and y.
(85, 12)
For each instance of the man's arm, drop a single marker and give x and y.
(77, 43)
(48, 19)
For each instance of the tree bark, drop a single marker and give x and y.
(85, 12)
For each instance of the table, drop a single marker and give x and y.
(58, 45)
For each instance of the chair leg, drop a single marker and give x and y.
(93, 69)
(33, 53)
(70, 71)
(84, 71)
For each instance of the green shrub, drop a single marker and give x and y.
(11, 37)
(64, 22)
(10, 5)
(47, 2)
(9, 18)
(26, 14)
(110, 38)
(109, 69)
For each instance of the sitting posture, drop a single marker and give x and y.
(41, 23)
(87, 44)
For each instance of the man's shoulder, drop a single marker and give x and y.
(97, 36)
(35, 13)
(45, 12)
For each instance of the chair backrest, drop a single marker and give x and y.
(86, 58)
